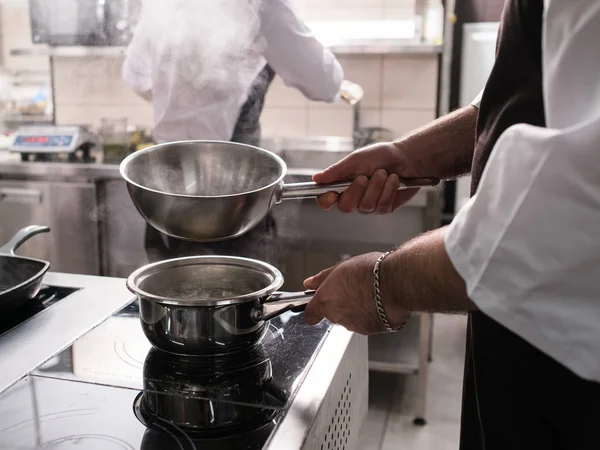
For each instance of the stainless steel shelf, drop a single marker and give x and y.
(385, 47)
(26, 118)
(73, 52)
(358, 47)
(396, 352)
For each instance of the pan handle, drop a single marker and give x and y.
(20, 237)
(279, 302)
(313, 190)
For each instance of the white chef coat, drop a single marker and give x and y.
(200, 58)
(528, 243)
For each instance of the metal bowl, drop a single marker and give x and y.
(203, 190)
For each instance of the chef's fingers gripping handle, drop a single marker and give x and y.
(280, 302)
(20, 237)
(312, 190)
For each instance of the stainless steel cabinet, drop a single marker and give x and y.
(122, 229)
(69, 209)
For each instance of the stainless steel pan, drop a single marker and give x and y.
(210, 190)
(20, 277)
(203, 305)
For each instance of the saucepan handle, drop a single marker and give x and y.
(20, 237)
(280, 302)
(313, 190)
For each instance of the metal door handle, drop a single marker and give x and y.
(18, 195)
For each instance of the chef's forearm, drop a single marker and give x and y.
(419, 276)
(443, 148)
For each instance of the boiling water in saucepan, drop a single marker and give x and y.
(205, 282)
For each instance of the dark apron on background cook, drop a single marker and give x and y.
(515, 397)
(258, 243)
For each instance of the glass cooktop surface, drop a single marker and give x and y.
(112, 390)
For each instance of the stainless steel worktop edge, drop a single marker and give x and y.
(350, 47)
(340, 347)
(35, 341)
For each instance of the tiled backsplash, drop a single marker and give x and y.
(400, 90)
(400, 94)
(355, 9)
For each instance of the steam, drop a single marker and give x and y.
(205, 56)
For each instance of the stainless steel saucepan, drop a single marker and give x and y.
(210, 190)
(203, 305)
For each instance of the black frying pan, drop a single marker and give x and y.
(20, 277)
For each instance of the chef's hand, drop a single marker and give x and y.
(345, 296)
(375, 170)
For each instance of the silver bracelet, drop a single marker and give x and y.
(378, 302)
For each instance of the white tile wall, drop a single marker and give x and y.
(410, 81)
(400, 94)
(330, 121)
(281, 96)
(355, 9)
(93, 114)
(398, 12)
(292, 122)
(15, 30)
(344, 13)
(92, 80)
(366, 71)
(88, 89)
(400, 91)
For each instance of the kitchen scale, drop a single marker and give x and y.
(50, 143)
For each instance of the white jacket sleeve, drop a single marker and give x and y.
(137, 67)
(296, 55)
(528, 243)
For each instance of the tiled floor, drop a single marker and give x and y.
(389, 424)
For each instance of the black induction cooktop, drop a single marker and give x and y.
(111, 390)
(45, 298)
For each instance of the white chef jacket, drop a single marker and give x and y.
(528, 243)
(200, 58)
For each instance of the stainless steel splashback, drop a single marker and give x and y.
(83, 22)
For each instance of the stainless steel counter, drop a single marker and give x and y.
(351, 47)
(341, 362)
(34, 342)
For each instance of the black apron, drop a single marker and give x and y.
(258, 243)
(515, 397)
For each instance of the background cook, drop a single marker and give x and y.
(206, 68)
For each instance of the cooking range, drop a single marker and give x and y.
(298, 387)
(45, 298)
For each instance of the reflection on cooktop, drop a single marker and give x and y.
(47, 413)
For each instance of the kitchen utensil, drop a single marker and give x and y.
(20, 277)
(210, 190)
(206, 305)
(351, 93)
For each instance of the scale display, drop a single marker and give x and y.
(59, 141)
